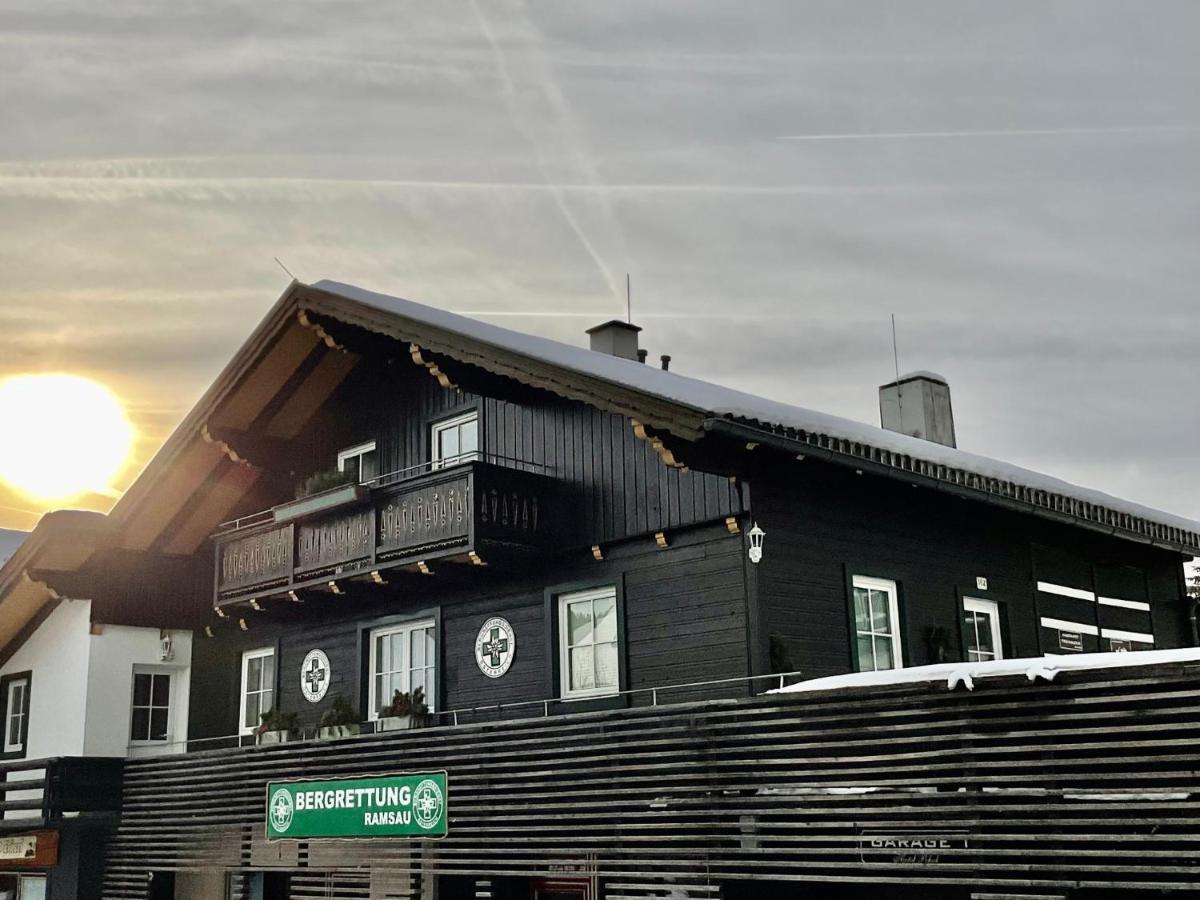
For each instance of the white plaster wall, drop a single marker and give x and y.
(57, 654)
(114, 653)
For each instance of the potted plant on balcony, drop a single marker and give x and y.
(405, 711)
(339, 721)
(276, 727)
(322, 481)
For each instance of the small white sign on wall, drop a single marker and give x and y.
(495, 646)
(980, 583)
(315, 674)
(22, 847)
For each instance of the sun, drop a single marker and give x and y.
(63, 436)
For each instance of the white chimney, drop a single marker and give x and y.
(918, 404)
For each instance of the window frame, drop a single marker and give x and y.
(358, 451)
(895, 618)
(455, 421)
(402, 626)
(7, 683)
(562, 601)
(173, 684)
(247, 655)
(992, 609)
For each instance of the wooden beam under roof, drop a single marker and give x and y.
(268, 377)
(234, 483)
(188, 473)
(304, 402)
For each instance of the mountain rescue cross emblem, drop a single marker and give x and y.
(428, 804)
(281, 810)
(315, 673)
(495, 647)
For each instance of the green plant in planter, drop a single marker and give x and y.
(324, 480)
(275, 720)
(340, 714)
(411, 706)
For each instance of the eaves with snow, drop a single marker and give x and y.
(690, 408)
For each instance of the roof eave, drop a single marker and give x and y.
(962, 483)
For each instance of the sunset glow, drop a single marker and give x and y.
(64, 436)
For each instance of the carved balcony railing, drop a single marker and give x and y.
(475, 511)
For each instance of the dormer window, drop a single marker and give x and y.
(455, 440)
(361, 461)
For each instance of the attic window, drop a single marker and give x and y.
(360, 460)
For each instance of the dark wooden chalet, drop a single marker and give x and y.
(593, 568)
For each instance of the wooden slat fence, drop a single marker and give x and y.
(1090, 780)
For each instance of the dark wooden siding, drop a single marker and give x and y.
(685, 621)
(616, 485)
(825, 523)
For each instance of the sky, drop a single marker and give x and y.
(1016, 182)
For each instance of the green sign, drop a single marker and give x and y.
(376, 806)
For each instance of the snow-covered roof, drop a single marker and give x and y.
(966, 674)
(891, 451)
(921, 373)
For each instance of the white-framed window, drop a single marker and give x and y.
(258, 687)
(150, 712)
(22, 887)
(981, 629)
(876, 624)
(360, 460)
(16, 712)
(454, 440)
(589, 644)
(402, 658)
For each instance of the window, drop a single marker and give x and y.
(876, 625)
(589, 644)
(403, 658)
(16, 715)
(22, 887)
(455, 440)
(151, 716)
(981, 630)
(258, 687)
(360, 460)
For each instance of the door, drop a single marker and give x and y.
(981, 630)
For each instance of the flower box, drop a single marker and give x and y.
(334, 732)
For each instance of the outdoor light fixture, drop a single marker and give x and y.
(756, 543)
(166, 649)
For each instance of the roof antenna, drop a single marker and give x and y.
(285, 268)
(895, 350)
(628, 299)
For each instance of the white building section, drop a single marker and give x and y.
(81, 684)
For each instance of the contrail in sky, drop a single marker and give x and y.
(526, 128)
(998, 132)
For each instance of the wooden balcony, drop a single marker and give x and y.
(37, 793)
(478, 512)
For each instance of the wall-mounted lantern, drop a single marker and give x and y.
(756, 543)
(166, 647)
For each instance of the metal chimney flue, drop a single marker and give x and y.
(616, 338)
(918, 404)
